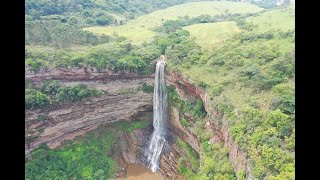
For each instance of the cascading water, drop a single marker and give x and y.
(160, 106)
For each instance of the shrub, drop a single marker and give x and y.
(250, 71)
(282, 122)
(203, 84)
(35, 99)
(147, 88)
(199, 110)
(265, 36)
(184, 122)
(41, 117)
(284, 98)
(218, 61)
(268, 81)
(182, 167)
(35, 65)
(216, 89)
(51, 87)
(104, 20)
(52, 92)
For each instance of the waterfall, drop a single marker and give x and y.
(160, 111)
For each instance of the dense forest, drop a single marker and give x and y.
(249, 76)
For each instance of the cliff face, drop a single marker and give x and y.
(171, 154)
(73, 119)
(188, 90)
(70, 120)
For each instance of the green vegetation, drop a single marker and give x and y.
(284, 98)
(277, 19)
(183, 169)
(194, 108)
(88, 12)
(184, 122)
(84, 158)
(52, 92)
(60, 35)
(118, 55)
(173, 25)
(214, 159)
(142, 28)
(216, 163)
(250, 78)
(270, 3)
(191, 154)
(265, 138)
(147, 88)
(210, 35)
(255, 61)
(58, 23)
(130, 126)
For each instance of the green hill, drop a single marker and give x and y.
(141, 29)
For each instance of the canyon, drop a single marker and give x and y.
(70, 120)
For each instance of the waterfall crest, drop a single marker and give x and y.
(160, 114)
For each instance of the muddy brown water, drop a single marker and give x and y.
(139, 172)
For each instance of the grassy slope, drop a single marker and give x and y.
(210, 35)
(238, 95)
(140, 29)
(282, 19)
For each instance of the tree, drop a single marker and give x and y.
(282, 122)
(35, 98)
(283, 98)
(133, 63)
(104, 20)
(35, 65)
(162, 43)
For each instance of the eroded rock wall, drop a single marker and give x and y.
(187, 89)
(69, 120)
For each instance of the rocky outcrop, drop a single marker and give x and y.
(66, 121)
(69, 75)
(169, 162)
(74, 119)
(106, 81)
(187, 89)
(183, 133)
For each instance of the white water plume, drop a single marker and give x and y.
(160, 111)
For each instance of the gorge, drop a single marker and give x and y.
(77, 119)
